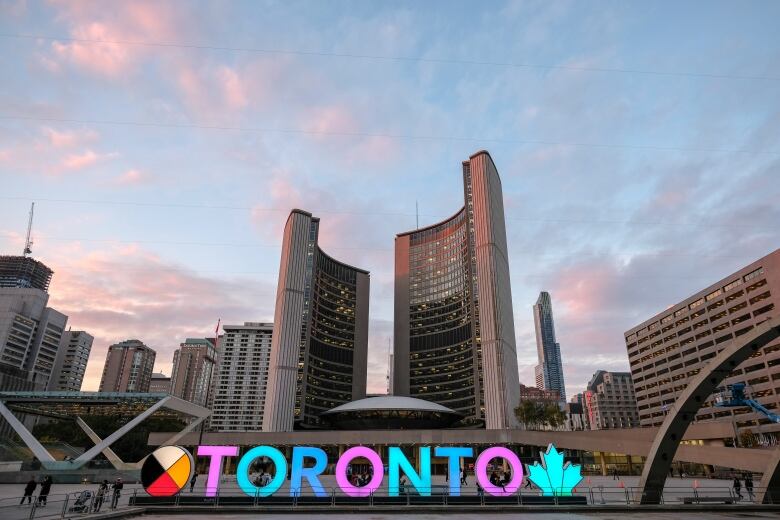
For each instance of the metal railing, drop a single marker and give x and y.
(87, 502)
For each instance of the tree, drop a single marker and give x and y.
(535, 414)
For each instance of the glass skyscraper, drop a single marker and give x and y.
(549, 371)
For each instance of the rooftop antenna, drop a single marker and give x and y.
(417, 214)
(28, 243)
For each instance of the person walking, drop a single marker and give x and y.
(29, 488)
(193, 480)
(738, 487)
(463, 476)
(615, 474)
(100, 496)
(117, 492)
(45, 489)
(749, 486)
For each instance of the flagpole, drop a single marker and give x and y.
(211, 376)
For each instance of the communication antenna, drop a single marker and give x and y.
(417, 215)
(28, 243)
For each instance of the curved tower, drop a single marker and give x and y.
(320, 343)
(454, 327)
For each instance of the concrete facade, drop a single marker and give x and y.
(319, 352)
(666, 350)
(194, 364)
(159, 384)
(128, 367)
(30, 333)
(71, 364)
(610, 401)
(549, 371)
(240, 384)
(454, 327)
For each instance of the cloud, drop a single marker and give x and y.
(129, 292)
(122, 29)
(69, 138)
(131, 177)
(79, 161)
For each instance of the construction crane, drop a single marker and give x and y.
(28, 243)
(734, 395)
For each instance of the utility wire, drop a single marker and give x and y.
(411, 137)
(389, 58)
(676, 224)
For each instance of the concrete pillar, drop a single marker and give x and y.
(603, 462)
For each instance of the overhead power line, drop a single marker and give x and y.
(325, 211)
(411, 137)
(389, 58)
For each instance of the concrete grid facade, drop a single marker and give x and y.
(72, 359)
(128, 367)
(610, 401)
(239, 389)
(30, 333)
(666, 350)
(319, 354)
(454, 326)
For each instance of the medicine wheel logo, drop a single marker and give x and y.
(166, 471)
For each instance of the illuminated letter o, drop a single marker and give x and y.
(242, 471)
(341, 471)
(480, 469)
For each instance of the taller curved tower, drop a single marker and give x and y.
(454, 326)
(319, 349)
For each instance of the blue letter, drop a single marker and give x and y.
(242, 471)
(310, 474)
(454, 454)
(421, 482)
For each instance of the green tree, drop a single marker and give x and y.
(536, 414)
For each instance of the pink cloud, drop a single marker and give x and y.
(330, 119)
(234, 88)
(131, 177)
(69, 139)
(83, 160)
(123, 22)
(128, 292)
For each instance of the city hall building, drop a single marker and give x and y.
(319, 347)
(454, 328)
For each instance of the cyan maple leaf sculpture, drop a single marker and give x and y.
(554, 477)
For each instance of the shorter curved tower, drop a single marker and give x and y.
(319, 350)
(454, 327)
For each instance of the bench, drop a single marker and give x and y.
(697, 500)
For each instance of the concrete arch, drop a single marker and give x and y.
(684, 410)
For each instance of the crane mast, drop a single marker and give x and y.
(28, 243)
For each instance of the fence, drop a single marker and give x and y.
(81, 504)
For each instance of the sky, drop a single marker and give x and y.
(164, 144)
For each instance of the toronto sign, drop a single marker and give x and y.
(166, 471)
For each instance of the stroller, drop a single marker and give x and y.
(81, 505)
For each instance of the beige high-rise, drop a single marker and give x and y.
(668, 349)
(319, 351)
(454, 327)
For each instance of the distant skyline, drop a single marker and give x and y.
(637, 145)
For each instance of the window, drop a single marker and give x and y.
(695, 304)
(754, 274)
(713, 294)
(733, 284)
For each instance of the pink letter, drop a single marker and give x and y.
(215, 467)
(480, 469)
(343, 463)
